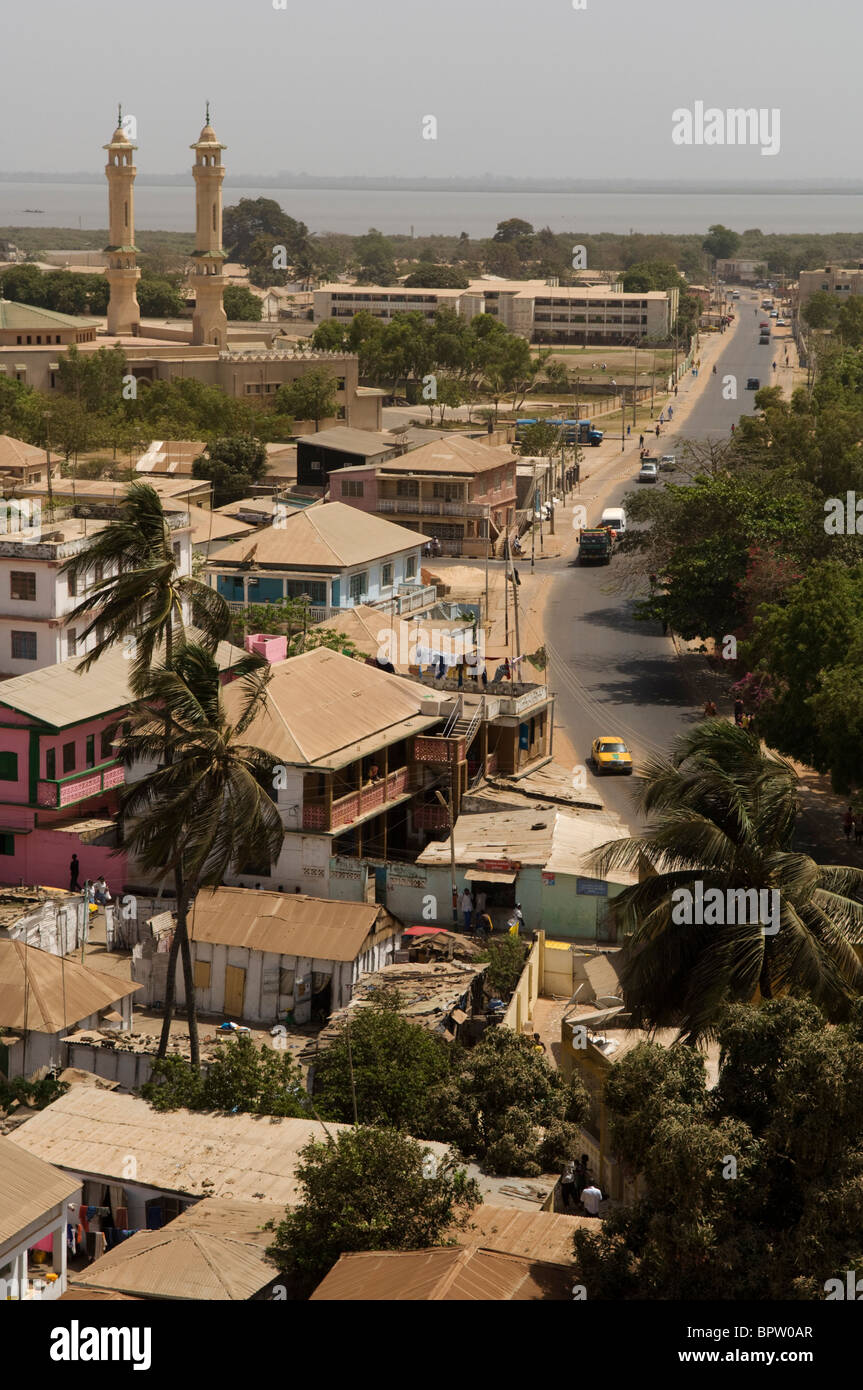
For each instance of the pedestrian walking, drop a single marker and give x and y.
(74, 871)
(582, 1178)
(466, 908)
(848, 823)
(641, 441)
(567, 1186)
(675, 390)
(628, 431)
(657, 431)
(671, 412)
(662, 418)
(590, 1200)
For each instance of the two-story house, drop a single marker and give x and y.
(328, 555)
(36, 599)
(457, 490)
(59, 773)
(359, 757)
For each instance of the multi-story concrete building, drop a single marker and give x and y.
(840, 283)
(456, 490)
(737, 271)
(36, 600)
(534, 309)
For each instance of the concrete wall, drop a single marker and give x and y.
(527, 991)
(128, 1069)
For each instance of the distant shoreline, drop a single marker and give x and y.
(489, 184)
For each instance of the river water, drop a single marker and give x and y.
(170, 207)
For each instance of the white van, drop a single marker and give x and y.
(614, 517)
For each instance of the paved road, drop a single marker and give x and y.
(612, 674)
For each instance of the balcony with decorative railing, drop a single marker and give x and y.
(56, 792)
(373, 796)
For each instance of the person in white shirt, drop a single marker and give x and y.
(480, 901)
(590, 1200)
(467, 908)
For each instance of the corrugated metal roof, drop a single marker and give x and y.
(214, 1250)
(61, 695)
(46, 993)
(329, 537)
(367, 443)
(321, 706)
(29, 1188)
(536, 1235)
(443, 1275)
(288, 924)
(23, 316)
(559, 841)
(247, 1157)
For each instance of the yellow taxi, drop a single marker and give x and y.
(610, 754)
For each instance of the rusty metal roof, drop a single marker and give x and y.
(449, 1275)
(214, 1250)
(29, 1189)
(46, 993)
(287, 924)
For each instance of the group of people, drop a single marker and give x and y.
(475, 913)
(432, 547)
(853, 820)
(741, 718)
(577, 1185)
(98, 892)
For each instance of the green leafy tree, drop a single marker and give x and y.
(159, 298)
(721, 811)
(506, 956)
(241, 305)
(311, 397)
(329, 336)
(439, 277)
(369, 1189)
(512, 230)
(507, 1107)
(395, 1067)
(541, 438)
(251, 218)
(787, 1113)
(821, 310)
(849, 323)
(207, 811)
(233, 464)
(375, 258)
(721, 242)
(240, 1077)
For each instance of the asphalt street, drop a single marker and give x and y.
(612, 674)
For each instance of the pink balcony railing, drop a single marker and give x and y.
(65, 791)
(349, 808)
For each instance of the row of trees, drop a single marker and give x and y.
(71, 292)
(753, 553)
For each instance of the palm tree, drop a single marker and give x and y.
(722, 811)
(207, 810)
(142, 592)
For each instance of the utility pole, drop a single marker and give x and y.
(351, 1065)
(487, 545)
(506, 593)
(515, 616)
(532, 521)
(448, 804)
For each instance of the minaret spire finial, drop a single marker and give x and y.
(207, 121)
(119, 114)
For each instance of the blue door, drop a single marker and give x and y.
(336, 588)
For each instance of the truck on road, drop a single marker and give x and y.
(594, 546)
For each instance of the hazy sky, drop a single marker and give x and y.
(520, 87)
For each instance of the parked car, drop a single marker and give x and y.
(610, 754)
(774, 313)
(764, 340)
(753, 383)
(667, 461)
(614, 518)
(781, 323)
(648, 473)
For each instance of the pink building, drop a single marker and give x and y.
(59, 777)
